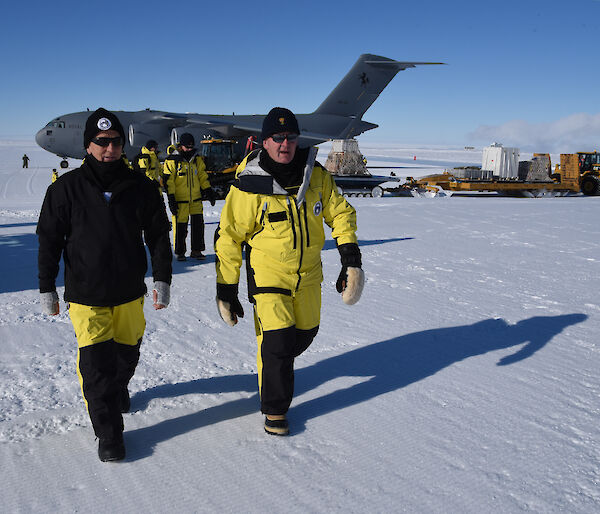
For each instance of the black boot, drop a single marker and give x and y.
(111, 449)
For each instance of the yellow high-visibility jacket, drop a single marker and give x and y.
(186, 179)
(284, 233)
(148, 162)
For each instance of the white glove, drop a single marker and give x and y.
(355, 282)
(228, 314)
(49, 303)
(161, 294)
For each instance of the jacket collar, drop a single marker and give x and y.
(254, 179)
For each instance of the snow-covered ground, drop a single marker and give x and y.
(465, 380)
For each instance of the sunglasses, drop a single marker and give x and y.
(280, 138)
(105, 141)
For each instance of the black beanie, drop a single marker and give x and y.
(279, 120)
(151, 144)
(186, 139)
(97, 122)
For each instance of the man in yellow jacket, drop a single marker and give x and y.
(276, 211)
(187, 184)
(147, 162)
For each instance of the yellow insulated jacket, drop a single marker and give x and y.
(284, 233)
(148, 162)
(185, 179)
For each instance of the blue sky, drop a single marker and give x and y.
(524, 70)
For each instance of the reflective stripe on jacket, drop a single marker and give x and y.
(284, 233)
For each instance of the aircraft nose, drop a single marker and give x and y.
(41, 138)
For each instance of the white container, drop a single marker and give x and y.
(345, 145)
(502, 161)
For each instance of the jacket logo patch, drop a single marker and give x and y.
(104, 124)
(281, 121)
(318, 208)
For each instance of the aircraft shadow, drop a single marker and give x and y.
(330, 243)
(391, 365)
(18, 255)
(191, 264)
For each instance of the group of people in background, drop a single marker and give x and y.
(98, 217)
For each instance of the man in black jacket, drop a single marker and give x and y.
(97, 218)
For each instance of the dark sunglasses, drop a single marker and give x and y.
(105, 141)
(280, 138)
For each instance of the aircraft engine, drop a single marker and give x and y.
(139, 134)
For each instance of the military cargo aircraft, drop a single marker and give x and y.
(338, 117)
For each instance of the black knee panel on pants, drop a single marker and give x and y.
(127, 360)
(98, 369)
(278, 350)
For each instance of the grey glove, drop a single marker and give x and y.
(49, 303)
(162, 293)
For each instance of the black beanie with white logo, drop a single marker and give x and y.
(98, 121)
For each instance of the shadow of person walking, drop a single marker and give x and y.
(398, 362)
(391, 365)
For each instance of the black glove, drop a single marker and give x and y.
(173, 207)
(210, 195)
(228, 304)
(350, 257)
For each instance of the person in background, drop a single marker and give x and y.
(25, 161)
(54, 175)
(276, 210)
(186, 183)
(97, 218)
(147, 162)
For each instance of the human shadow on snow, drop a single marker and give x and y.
(391, 365)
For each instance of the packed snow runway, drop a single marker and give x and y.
(465, 380)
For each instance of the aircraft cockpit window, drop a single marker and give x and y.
(56, 124)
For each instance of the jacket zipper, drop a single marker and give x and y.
(306, 224)
(292, 220)
(262, 217)
(300, 236)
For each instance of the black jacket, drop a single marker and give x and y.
(101, 236)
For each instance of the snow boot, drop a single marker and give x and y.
(181, 258)
(111, 449)
(277, 425)
(197, 255)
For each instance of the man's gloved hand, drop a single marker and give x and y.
(173, 207)
(351, 280)
(161, 295)
(49, 303)
(350, 283)
(210, 195)
(228, 305)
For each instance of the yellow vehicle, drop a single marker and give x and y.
(582, 167)
(219, 157)
(576, 173)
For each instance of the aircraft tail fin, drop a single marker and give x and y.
(362, 85)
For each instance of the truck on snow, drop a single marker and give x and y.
(503, 173)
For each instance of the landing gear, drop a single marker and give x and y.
(64, 164)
